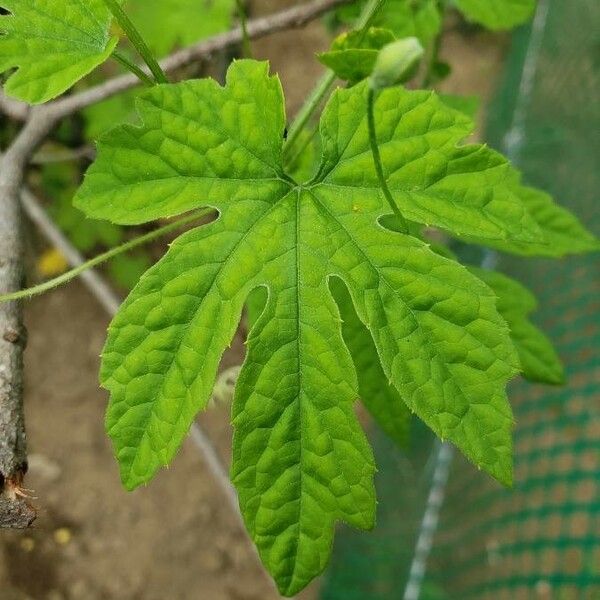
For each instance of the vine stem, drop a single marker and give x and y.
(137, 40)
(368, 15)
(308, 108)
(101, 258)
(246, 48)
(434, 52)
(327, 80)
(131, 66)
(377, 160)
(295, 157)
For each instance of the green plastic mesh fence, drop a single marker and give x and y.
(375, 565)
(540, 540)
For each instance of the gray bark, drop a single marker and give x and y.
(15, 513)
(14, 509)
(13, 457)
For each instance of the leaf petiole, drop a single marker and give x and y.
(369, 13)
(136, 39)
(324, 84)
(292, 161)
(377, 160)
(101, 258)
(131, 66)
(316, 96)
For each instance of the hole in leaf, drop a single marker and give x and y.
(392, 223)
(255, 304)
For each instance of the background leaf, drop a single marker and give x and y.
(101, 117)
(378, 395)
(352, 55)
(497, 14)
(125, 270)
(53, 44)
(406, 18)
(60, 181)
(538, 358)
(469, 105)
(561, 231)
(166, 24)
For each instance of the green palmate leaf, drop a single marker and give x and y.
(300, 459)
(497, 14)
(539, 360)
(562, 233)
(165, 24)
(405, 18)
(53, 44)
(378, 395)
(352, 55)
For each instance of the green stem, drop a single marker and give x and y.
(377, 160)
(368, 15)
(246, 48)
(136, 39)
(312, 102)
(94, 262)
(326, 82)
(121, 58)
(293, 159)
(434, 52)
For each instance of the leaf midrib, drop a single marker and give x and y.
(299, 363)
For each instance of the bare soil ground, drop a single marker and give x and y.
(177, 538)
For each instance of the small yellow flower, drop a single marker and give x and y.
(52, 263)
